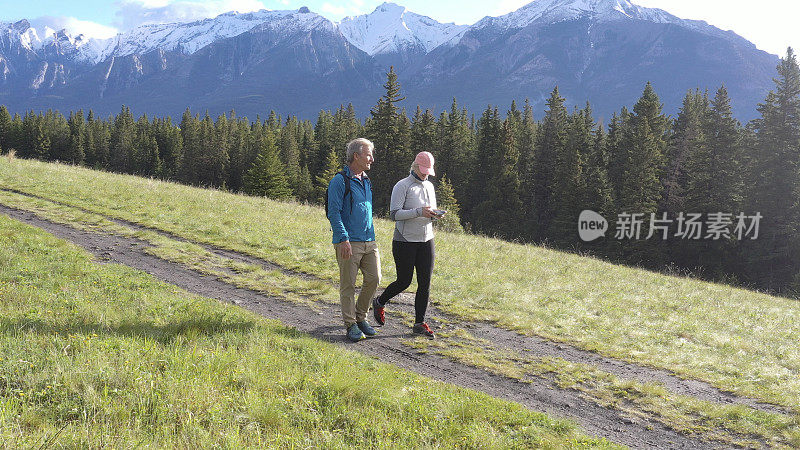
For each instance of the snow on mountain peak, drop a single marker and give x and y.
(558, 10)
(391, 27)
(192, 36)
(33, 39)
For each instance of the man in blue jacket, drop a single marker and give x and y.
(350, 214)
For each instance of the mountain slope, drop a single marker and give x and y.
(395, 35)
(279, 63)
(298, 62)
(601, 51)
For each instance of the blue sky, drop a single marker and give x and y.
(771, 25)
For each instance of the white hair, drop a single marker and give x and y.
(358, 145)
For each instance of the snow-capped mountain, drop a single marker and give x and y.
(188, 38)
(24, 37)
(552, 11)
(560, 10)
(391, 28)
(299, 62)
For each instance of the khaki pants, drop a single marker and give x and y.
(365, 257)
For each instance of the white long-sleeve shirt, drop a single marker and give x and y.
(409, 196)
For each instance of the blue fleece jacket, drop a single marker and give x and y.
(351, 223)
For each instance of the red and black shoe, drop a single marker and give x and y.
(379, 312)
(423, 329)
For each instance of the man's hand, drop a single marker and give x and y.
(346, 250)
(427, 211)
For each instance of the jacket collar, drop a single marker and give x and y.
(347, 172)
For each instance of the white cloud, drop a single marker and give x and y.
(131, 13)
(73, 26)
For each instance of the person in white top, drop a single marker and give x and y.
(413, 208)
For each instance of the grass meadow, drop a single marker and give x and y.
(101, 355)
(739, 340)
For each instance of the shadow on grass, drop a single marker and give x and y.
(166, 333)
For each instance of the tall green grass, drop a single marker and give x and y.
(101, 355)
(737, 339)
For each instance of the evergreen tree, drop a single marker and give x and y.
(640, 189)
(344, 128)
(714, 183)
(273, 123)
(123, 135)
(57, 130)
(27, 135)
(569, 187)
(89, 146)
(290, 152)
(304, 190)
(170, 146)
(17, 134)
(331, 167)
(209, 160)
(326, 141)
(550, 142)
(618, 152)
(154, 167)
(774, 181)
(527, 151)
(239, 154)
(446, 200)
(457, 159)
(219, 158)
(479, 209)
(308, 146)
(101, 136)
(598, 188)
(505, 189)
(5, 128)
(142, 151)
(76, 153)
(685, 142)
(41, 143)
(267, 178)
(389, 131)
(423, 132)
(403, 155)
(714, 178)
(190, 137)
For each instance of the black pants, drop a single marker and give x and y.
(407, 257)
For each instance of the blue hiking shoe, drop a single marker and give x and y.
(366, 328)
(354, 333)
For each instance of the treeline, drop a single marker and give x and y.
(506, 175)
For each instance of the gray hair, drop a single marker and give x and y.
(414, 166)
(358, 145)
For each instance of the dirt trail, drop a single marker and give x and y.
(324, 322)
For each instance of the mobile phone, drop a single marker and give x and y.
(439, 212)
